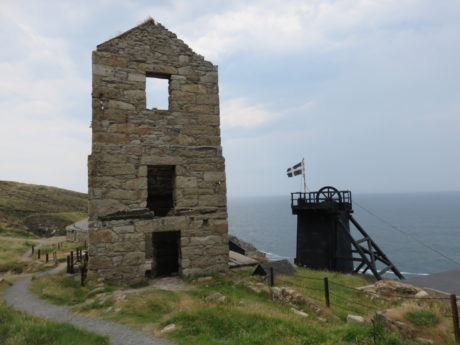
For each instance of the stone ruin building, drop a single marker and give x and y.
(157, 189)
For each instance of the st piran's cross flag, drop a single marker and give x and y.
(295, 170)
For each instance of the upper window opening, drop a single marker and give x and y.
(160, 182)
(157, 91)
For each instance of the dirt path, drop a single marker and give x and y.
(19, 296)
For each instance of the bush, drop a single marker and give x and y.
(422, 318)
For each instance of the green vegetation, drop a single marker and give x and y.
(39, 208)
(10, 255)
(245, 316)
(16, 233)
(64, 247)
(422, 317)
(18, 328)
(62, 290)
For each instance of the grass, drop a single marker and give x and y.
(226, 326)
(35, 207)
(17, 233)
(10, 255)
(18, 328)
(343, 298)
(245, 317)
(61, 290)
(64, 247)
(422, 318)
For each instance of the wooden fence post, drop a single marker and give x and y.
(71, 263)
(68, 264)
(46, 257)
(38, 254)
(453, 304)
(83, 269)
(326, 292)
(33, 250)
(272, 277)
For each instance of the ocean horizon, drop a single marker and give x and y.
(415, 230)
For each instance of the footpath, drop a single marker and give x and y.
(19, 297)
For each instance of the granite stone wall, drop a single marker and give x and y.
(128, 138)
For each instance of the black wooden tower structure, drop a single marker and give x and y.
(324, 239)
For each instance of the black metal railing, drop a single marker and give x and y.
(300, 199)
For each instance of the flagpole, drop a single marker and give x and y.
(303, 175)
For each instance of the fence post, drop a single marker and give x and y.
(453, 304)
(326, 292)
(33, 250)
(68, 264)
(71, 263)
(46, 258)
(272, 277)
(38, 254)
(83, 269)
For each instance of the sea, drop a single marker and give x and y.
(419, 232)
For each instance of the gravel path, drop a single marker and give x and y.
(19, 296)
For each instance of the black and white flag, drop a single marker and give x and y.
(295, 170)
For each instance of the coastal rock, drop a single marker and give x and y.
(291, 296)
(216, 297)
(423, 340)
(422, 294)
(388, 287)
(250, 250)
(355, 319)
(169, 328)
(299, 312)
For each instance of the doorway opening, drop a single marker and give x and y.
(166, 253)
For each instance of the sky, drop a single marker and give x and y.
(366, 91)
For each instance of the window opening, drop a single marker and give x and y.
(157, 91)
(160, 197)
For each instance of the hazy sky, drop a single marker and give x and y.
(368, 91)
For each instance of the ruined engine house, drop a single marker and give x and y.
(157, 189)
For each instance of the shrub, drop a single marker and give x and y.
(422, 318)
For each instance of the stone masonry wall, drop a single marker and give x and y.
(127, 138)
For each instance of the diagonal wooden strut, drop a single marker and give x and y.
(369, 252)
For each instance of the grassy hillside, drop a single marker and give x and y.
(237, 308)
(39, 209)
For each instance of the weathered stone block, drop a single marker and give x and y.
(103, 70)
(120, 105)
(123, 229)
(101, 236)
(131, 259)
(186, 182)
(195, 88)
(100, 262)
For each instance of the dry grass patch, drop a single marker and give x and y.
(11, 252)
(424, 319)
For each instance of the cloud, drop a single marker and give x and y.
(43, 136)
(294, 25)
(242, 112)
(238, 112)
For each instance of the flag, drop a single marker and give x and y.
(295, 170)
